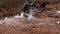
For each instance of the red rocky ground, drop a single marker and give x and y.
(46, 22)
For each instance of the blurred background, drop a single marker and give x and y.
(13, 7)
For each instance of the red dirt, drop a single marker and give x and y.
(45, 22)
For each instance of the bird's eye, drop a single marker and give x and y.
(39, 8)
(32, 8)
